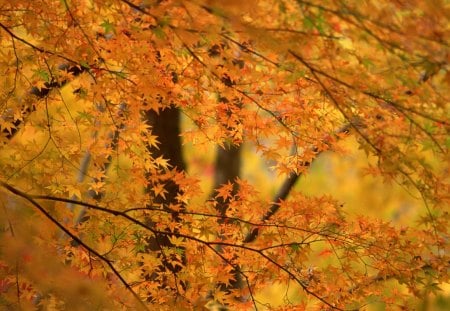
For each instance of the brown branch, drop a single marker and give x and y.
(336, 103)
(289, 183)
(397, 106)
(209, 244)
(323, 233)
(74, 238)
(34, 47)
(139, 8)
(27, 109)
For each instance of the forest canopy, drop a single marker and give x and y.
(130, 132)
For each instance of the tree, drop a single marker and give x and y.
(100, 99)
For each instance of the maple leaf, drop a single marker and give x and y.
(7, 126)
(225, 191)
(159, 190)
(161, 162)
(110, 116)
(96, 186)
(73, 191)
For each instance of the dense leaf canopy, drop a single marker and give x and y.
(100, 99)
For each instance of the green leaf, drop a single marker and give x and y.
(84, 64)
(296, 75)
(42, 74)
(320, 23)
(107, 26)
(367, 63)
(295, 247)
(430, 128)
(447, 142)
(121, 74)
(164, 21)
(315, 22)
(86, 116)
(159, 32)
(308, 22)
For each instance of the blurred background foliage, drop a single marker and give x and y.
(343, 175)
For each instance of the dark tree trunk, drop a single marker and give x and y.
(227, 169)
(166, 126)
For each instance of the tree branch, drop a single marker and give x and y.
(74, 238)
(209, 244)
(290, 181)
(27, 109)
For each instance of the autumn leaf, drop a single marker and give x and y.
(170, 155)
(224, 191)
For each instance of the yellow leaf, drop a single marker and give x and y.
(73, 192)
